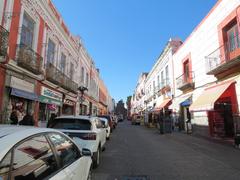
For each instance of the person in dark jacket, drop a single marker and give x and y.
(27, 120)
(14, 117)
(52, 117)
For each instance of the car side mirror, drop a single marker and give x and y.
(86, 152)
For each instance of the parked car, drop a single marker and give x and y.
(86, 131)
(110, 121)
(136, 120)
(107, 127)
(115, 120)
(41, 153)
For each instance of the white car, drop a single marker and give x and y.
(107, 127)
(86, 131)
(40, 153)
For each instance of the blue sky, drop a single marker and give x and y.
(125, 37)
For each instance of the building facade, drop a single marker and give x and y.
(42, 64)
(207, 84)
(205, 75)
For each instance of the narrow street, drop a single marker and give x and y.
(138, 151)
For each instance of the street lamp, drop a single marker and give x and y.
(82, 89)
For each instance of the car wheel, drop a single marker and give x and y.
(96, 158)
(108, 138)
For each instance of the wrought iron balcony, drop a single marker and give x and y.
(28, 59)
(55, 76)
(3, 41)
(224, 58)
(165, 84)
(70, 85)
(185, 81)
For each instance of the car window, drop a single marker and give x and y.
(5, 167)
(72, 124)
(99, 124)
(33, 159)
(66, 149)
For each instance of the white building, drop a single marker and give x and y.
(206, 70)
(138, 99)
(159, 82)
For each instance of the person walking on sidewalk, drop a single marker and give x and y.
(27, 120)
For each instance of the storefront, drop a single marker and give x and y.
(21, 97)
(69, 105)
(219, 101)
(50, 103)
(180, 110)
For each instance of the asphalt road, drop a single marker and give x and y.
(139, 151)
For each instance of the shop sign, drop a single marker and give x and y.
(51, 94)
(69, 102)
(47, 100)
(71, 98)
(21, 84)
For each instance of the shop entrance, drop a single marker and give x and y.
(224, 108)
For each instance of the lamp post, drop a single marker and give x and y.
(82, 89)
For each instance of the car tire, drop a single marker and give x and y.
(96, 158)
(108, 138)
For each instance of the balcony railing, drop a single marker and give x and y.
(29, 59)
(3, 41)
(55, 76)
(165, 84)
(223, 58)
(185, 81)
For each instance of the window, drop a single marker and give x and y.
(72, 124)
(186, 70)
(50, 51)
(66, 150)
(87, 79)
(82, 75)
(63, 63)
(99, 124)
(162, 79)
(33, 159)
(71, 71)
(154, 87)
(27, 33)
(158, 82)
(167, 75)
(233, 38)
(5, 166)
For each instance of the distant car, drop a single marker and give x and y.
(110, 121)
(107, 127)
(115, 120)
(86, 131)
(120, 118)
(136, 120)
(41, 153)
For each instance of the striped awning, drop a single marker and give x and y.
(164, 104)
(210, 95)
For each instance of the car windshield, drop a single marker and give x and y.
(106, 117)
(72, 124)
(104, 122)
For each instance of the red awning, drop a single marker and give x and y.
(164, 104)
(210, 95)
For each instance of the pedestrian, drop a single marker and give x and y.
(14, 117)
(51, 120)
(27, 120)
